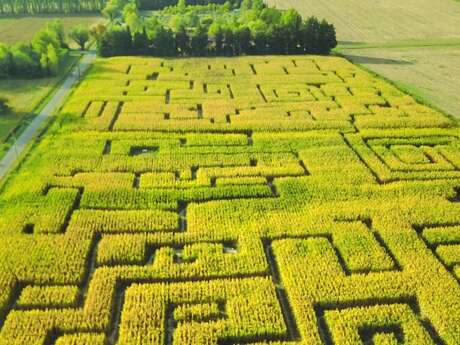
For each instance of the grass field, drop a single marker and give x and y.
(254, 200)
(24, 96)
(383, 21)
(404, 26)
(434, 70)
(15, 29)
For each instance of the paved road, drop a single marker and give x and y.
(54, 103)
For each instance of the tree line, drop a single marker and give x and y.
(191, 30)
(160, 4)
(50, 6)
(39, 58)
(79, 6)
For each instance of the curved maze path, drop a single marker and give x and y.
(258, 200)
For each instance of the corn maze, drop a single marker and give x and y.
(231, 201)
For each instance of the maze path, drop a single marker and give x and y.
(408, 158)
(259, 200)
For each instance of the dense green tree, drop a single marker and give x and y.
(6, 61)
(26, 62)
(141, 43)
(181, 6)
(49, 6)
(327, 38)
(291, 21)
(270, 15)
(229, 42)
(4, 105)
(212, 29)
(199, 41)
(112, 10)
(97, 31)
(43, 38)
(242, 40)
(191, 19)
(309, 35)
(52, 56)
(163, 42)
(216, 34)
(259, 35)
(40, 57)
(57, 27)
(80, 34)
(277, 43)
(182, 41)
(115, 41)
(131, 17)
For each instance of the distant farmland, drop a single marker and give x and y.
(383, 21)
(432, 72)
(22, 28)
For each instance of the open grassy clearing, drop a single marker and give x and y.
(15, 29)
(24, 96)
(254, 200)
(432, 73)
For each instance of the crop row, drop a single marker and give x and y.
(259, 200)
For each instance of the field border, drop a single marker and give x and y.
(405, 88)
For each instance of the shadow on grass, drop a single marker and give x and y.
(376, 60)
(12, 124)
(350, 43)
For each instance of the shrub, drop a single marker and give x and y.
(4, 106)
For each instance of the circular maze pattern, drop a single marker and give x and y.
(255, 200)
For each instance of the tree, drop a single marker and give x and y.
(291, 22)
(57, 27)
(115, 41)
(199, 41)
(80, 34)
(181, 6)
(277, 43)
(259, 31)
(229, 42)
(4, 106)
(163, 42)
(311, 35)
(216, 33)
(97, 31)
(53, 60)
(192, 30)
(43, 38)
(111, 10)
(243, 40)
(258, 5)
(246, 5)
(327, 38)
(141, 43)
(131, 17)
(6, 61)
(26, 61)
(182, 41)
